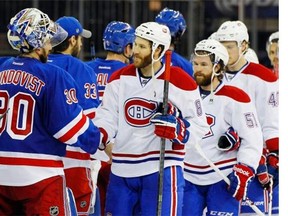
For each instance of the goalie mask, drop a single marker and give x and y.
(31, 29)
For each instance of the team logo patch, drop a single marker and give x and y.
(164, 30)
(54, 210)
(138, 111)
(83, 204)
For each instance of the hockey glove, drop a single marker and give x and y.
(230, 141)
(273, 166)
(262, 171)
(172, 110)
(170, 127)
(239, 181)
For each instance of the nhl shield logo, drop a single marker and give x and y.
(54, 210)
(83, 204)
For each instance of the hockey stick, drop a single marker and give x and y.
(162, 149)
(225, 178)
(270, 197)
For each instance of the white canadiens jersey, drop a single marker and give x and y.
(231, 107)
(262, 86)
(128, 104)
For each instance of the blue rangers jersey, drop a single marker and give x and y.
(39, 115)
(231, 107)
(103, 69)
(4, 58)
(87, 95)
(180, 61)
(130, 101)
(87, 90)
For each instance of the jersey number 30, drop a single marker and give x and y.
(16, 114)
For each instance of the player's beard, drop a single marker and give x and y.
(202, 79)
(142, 62)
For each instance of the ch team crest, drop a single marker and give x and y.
(138, 111)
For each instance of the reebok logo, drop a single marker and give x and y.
(240, 170)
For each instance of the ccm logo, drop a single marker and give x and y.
(138, 111)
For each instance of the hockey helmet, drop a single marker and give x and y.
(31, 28)
(212, 36)
(214, 47)
(174, 20)
(273, 38)
(232, 31)
(117, 35)
(157, 33)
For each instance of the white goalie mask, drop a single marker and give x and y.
(31, 29)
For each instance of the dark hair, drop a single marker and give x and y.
(160, 45)
(63, 46)
(162, 48)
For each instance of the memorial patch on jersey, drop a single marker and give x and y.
(138, 111)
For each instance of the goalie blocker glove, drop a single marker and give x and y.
(229, 141)
(171, 127)
(240, 179)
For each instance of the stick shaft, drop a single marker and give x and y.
(270, 197)
(162, 149)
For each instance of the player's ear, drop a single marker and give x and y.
(73, 40)
(159, 50)
(38, 51)
(244, 46)
(128, 50)
(217, 67)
